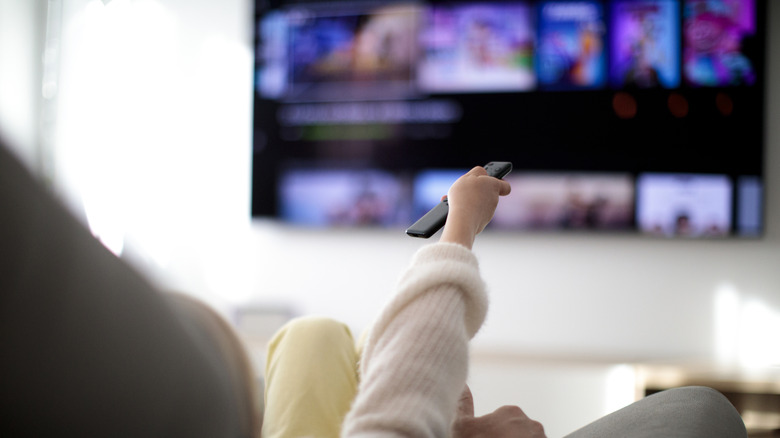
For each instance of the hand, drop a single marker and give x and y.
(472, 200)
(506, 421)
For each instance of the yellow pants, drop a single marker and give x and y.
(311, 379)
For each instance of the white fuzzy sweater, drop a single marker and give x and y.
(415, 361)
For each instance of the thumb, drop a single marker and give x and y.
(466, 404)
(504, 188)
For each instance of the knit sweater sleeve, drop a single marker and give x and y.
(415, 361)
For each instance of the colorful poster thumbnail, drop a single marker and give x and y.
(571, 50)
(684, 205)
(715, 35)
(478, 47)
(558, 201)
(645, 44)
(348, 51)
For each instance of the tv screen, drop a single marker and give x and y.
(643, 116)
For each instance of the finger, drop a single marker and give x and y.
(478, 170)
(466, 403)
(511, 411)
(504, 188)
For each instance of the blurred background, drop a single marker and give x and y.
(138, 114)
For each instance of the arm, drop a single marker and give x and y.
(415, 361)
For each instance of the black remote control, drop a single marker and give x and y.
(432, 221)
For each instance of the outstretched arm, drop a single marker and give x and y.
(415, 362)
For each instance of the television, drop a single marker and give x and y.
(637, 116)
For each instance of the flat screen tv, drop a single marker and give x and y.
(638, 116)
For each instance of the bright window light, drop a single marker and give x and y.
(621, 387)
(154, 117)
(746, 330)
(116, 65)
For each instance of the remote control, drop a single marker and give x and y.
(432, 221)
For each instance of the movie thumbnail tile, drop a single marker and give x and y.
(559, 201)
(330, 198)
(346, 51)
(716, 36)
(477, 47)
(684, 205)
(644, 43)
(750, 198)
(572, 51)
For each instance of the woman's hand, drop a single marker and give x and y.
(472, 200)
(506, 421)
